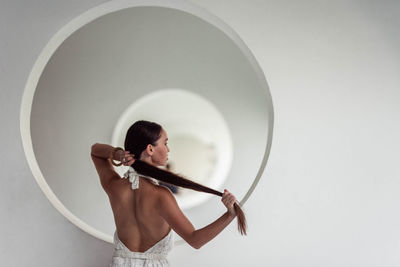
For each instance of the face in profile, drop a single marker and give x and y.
(161, 149)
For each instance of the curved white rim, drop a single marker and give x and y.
(68, 30)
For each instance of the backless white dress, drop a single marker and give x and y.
(156, 256)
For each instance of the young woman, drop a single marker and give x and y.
(145, 212)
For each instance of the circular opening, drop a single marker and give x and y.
(89, 73)
(199, 138)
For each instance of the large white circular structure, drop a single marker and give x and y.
(98, 65)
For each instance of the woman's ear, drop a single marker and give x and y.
(149, 150)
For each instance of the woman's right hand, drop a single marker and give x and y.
(229, 200)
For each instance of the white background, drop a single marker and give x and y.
(330, 193)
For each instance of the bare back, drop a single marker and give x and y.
(136, 213)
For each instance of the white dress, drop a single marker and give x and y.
(156, 256)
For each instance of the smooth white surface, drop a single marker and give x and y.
(91, 77)
(330, 194)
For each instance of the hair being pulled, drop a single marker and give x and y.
(142, 133)
(171, 178)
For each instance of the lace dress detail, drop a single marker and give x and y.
(156, 256)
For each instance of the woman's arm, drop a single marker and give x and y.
(100, 155)
(171, 212)
(104, 151)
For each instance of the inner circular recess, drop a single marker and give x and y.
(199, 138)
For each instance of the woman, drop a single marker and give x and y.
(145, 212)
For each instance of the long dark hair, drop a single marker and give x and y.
(142, 133)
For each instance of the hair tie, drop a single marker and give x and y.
(112, 156)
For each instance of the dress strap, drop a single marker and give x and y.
(133, 177)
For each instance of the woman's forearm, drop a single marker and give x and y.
(205, 234)
(102, 150)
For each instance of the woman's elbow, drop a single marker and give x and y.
(93, 147)
(193, 242)
(196, 246)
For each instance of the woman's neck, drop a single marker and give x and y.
(148, 160)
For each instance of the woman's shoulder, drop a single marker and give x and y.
(164, 191)
(166, 198)
(117, 187)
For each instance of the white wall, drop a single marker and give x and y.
(330, 193)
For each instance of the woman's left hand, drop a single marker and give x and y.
(229, 200)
